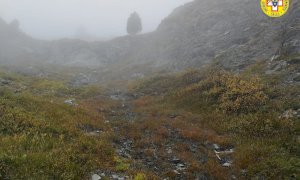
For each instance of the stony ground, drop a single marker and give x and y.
(166, 127)
(164, 151)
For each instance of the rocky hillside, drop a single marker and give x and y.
(232, 33)
(69, 110)
(13, 43)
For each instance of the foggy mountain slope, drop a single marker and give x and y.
(13, 42)
(17, 47)
(235, 34)
(213, 93)
(81, 53)
(291, 33)
(229, 32)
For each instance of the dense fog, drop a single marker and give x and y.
(138, 90)
(53, 19)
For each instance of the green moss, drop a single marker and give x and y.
(140, 176)
(121, 164)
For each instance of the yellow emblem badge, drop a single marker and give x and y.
(275, 8)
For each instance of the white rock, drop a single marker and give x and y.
(288, 114)
(96, 177)
(169, 151)
(216, 146)
(114, 176)
(180, 167)
(227, 164)
(218, 157)
(230, 151)
(176, 172)
(71, 102)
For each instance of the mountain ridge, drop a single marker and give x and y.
(195, 34)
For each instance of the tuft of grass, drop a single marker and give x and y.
(121, 164)
(140, 176)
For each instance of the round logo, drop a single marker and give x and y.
(275, 8)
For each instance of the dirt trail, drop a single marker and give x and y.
(162, 155)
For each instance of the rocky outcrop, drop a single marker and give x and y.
(228, 32)
(234, 34)
(16, 46)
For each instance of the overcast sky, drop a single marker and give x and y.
(52, 19)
